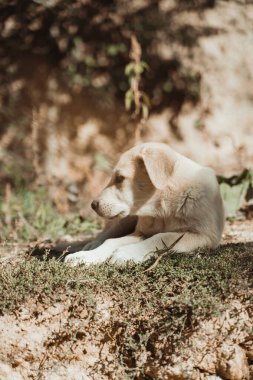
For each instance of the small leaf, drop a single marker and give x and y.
(168, 86)
(114, 49)
(89, 61)
(145, 65)
(138, 68)
(129, 94)
(129, 69)
(128, 103)
(145, 99)
(145, 111)
(128, 99)
(77, 41)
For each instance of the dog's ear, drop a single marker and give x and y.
(158, 165)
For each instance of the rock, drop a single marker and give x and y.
(232, 363)
(7, 373)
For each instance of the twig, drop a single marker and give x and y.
(163, 254)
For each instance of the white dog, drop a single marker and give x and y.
(158, 196)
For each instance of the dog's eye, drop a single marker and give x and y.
(119, 178)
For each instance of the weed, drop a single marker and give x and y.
(153, 309)
(201, 282)
(28, 215)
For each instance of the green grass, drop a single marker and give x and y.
(166, 302)
(29, 215)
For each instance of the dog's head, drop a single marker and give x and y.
(140, 173)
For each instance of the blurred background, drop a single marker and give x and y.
(83, 80)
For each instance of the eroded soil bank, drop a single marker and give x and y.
(189, 318)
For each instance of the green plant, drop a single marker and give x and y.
(29, 215)
(135, 98)
(234, 191)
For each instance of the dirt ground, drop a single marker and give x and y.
(220, 348)
(238, 231)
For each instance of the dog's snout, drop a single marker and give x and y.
(95, 204)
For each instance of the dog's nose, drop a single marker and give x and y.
(94, 205)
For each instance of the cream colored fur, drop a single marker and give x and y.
(168, 194)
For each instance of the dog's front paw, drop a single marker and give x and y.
(81, 257)
(85, 257)
(125, 254)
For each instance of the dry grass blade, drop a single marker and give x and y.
(165, 252)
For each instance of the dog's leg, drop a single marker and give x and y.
(103, 252)
(142, 251)
(119, 228)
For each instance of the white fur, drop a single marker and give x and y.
(169, 194)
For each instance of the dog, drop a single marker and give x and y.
(158, 198)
